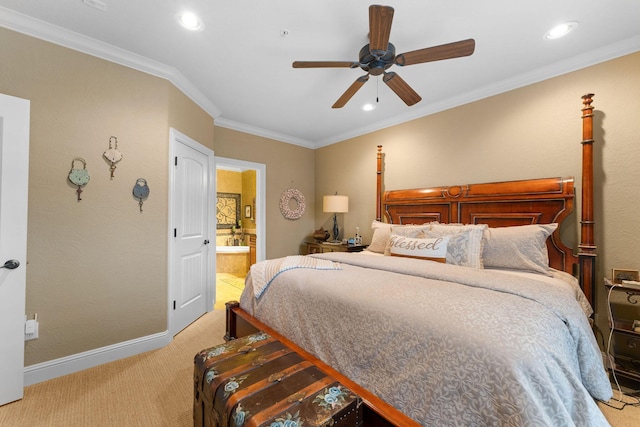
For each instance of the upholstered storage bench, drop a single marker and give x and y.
(257, 380)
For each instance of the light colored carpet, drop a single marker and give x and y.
(150, 389)
(154, 389)
(622, 410)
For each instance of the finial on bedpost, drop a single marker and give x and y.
(379, 185)
(587, 246)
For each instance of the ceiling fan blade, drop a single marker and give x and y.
(437, 53)
(401, 88)
(325, 64)
(380, 19)
(346, 96)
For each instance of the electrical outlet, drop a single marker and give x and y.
(30, 329)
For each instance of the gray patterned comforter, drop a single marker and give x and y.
(446, 345)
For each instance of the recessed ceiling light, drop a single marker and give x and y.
(190, 21)
(561, 30)
(368, 107)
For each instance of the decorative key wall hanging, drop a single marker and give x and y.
(112, 154)
(141, 191)
(79, 177)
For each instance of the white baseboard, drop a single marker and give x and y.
(77, 362)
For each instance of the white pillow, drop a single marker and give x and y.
(465, 243)
(522, 247)
(434, 249)
(382, 232)
(406, 231)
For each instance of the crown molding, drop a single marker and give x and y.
(575, 63)
(72, 40)
(254, 130)
(63, 37)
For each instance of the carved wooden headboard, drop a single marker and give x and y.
(500, 204)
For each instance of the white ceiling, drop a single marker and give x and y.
(238, 67)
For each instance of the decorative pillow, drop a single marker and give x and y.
(406, 231)
(521, 247)
(465, 243)
(434, 249)
(380, 238)
(382, 232)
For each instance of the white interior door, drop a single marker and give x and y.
(192, 263)
(14, 176)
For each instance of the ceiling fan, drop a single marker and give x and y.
(377, 56)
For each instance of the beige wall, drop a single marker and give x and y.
(531, 132)
(191, 120)
(80, 276)
(286, 166)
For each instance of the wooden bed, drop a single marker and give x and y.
(535, 201)
(499, 204)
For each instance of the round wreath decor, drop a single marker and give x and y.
(286, 210)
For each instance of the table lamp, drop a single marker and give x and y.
(335, 204)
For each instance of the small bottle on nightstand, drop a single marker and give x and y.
(358, 238)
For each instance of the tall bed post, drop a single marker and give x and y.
(587, 246)
(379, 185)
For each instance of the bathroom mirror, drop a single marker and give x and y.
(227, 210)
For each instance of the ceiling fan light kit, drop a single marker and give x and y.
(377, 56)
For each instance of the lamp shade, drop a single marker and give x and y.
(335, 204)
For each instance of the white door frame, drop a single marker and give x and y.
(175, 137)
(261, 191)
(14, 158)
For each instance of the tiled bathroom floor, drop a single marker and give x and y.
(228, 288)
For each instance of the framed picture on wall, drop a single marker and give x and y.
(227, 210)
(247, 211)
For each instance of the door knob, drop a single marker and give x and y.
(206, 242)
(11, 264)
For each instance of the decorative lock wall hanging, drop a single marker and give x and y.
(79, 177)
(141, 191)
(112, 154)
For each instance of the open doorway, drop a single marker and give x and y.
(241, 219)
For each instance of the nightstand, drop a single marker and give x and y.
(318, 248)
(625, 309)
